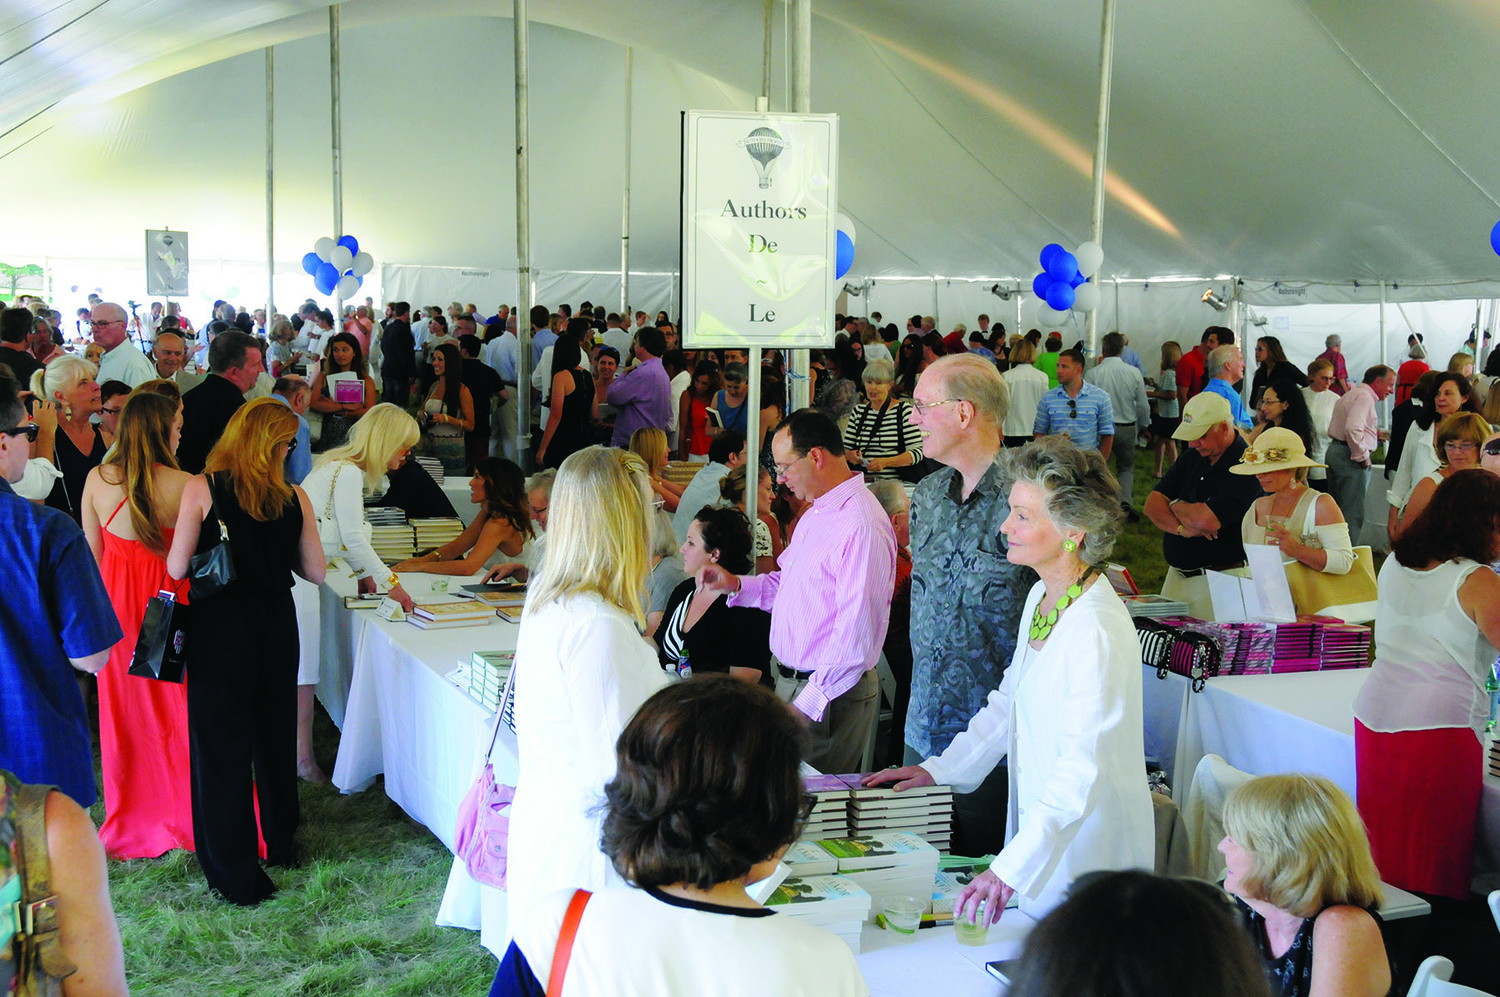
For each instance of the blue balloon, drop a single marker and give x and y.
(844, 258)
(1050, 250)
(358, 280)
(1040, 283)
(1063, 268)
(1060, 296)
(1495, 237)
(327, 278)
(351, 243)
(1078, 279)
(310, 262)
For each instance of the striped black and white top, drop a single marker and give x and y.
(882, 432)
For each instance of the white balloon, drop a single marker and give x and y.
(341, 258)
(845, 224)
(348, 284)
(324, 247)
(1090, 256)
(363, 264)
(1049, 318)
(1086, 297)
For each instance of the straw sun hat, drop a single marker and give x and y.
(1276, 449)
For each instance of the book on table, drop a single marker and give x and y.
(425, 624)
(836, 903)
(457, 609)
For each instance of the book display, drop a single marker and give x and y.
(446, 615)
(837, 903)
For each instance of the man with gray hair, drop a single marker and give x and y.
(966, 596)
(170, 353)
(122, 360)
(1334, 354)
(1225, 368)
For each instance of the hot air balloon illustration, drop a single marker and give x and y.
(763, 145)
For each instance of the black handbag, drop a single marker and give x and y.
(212, 571)
(161, 647)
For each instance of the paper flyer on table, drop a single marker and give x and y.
(1263, 595)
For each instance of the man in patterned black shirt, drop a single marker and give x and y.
(966, 596)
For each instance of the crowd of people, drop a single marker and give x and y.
(946, 503)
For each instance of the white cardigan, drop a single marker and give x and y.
(1069, 718)
(343, 533)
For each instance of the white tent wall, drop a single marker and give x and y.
(649, 292)
(421, 286)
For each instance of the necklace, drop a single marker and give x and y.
(1041, 625)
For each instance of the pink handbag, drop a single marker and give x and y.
(482, 836)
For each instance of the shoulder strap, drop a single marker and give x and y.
(36, 923)
(332, 485)
(213, 507)
(112, 515)
(1310, 517)
(565, 942)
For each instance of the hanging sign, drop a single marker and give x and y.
(166, 263)
(759, 229)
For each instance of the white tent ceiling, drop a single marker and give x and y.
(1279, 139)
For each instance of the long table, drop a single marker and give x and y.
(1265, 724)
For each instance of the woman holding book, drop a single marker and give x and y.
(337, 486)
(1077, 801)
(503, 524)
(704, 798)
(340, 413)
(584, 671)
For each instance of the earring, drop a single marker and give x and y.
(1070, 545)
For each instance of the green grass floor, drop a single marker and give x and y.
(356, 918)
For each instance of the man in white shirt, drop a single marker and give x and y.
(616, 335)
(122, 360)
(171, 355)
(725, 453)
(1132, 411)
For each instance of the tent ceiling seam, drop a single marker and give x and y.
(1396, 106)
(959, 142)
(55, 31)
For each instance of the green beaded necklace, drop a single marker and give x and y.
(1041, 625)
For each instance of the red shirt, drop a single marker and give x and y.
(1340, 371)
(1406, 378)
(1190, 373)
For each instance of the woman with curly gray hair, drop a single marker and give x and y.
(1068, 710)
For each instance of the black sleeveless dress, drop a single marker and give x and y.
(574, 431)
(242, 699)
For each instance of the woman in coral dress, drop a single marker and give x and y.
(129, 506)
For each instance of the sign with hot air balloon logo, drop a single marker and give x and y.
(759, 229)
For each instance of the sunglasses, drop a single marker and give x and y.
(30, 431)
(1492, 448)
(291, 446)
(1072, 408)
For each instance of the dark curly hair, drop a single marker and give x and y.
(706, 785)
(728, 532)
(1462, 520)
(505, 492)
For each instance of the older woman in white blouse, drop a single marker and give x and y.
(582, 670)
(1068, 711)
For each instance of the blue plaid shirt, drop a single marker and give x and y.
(55, 608)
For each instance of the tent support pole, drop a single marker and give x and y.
(625, 198)
(1383, 413)
(523, 232)
(338, 143)
(799, 387)
(1101, 150)
(270, 185)
(752, 438)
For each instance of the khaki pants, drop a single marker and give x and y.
(838, 741)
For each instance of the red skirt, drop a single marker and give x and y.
(1419, 796)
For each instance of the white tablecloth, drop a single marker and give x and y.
(933, 962)
(1265, 724)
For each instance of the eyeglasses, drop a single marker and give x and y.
(1492, 448)
(30, 431)
(113, 321)
(783, 469)
(1461, 445)
(922, 407)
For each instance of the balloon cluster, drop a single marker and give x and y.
(338, 266)
(844, 259)
(1064, 281)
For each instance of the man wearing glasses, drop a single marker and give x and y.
(50, 575)
(830, 603)
(1081, 412)
(122, 361)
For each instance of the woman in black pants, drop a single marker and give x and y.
(242, 659)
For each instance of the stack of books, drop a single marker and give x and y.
(833, 902)
(446, 615)
(952, 877)
(390, 534)
(487, 674)
(830, 810)
(433, 466)
(885, 865)
(1345, 645)
(926, 812)
(1154, 607)
(436, 532)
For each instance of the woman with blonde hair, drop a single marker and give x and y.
(1026, 385)
(142, 725)
(650, 445)
(1300, 869)
(1456, 443)
(586, 671)
(242, 698)
(78, 446)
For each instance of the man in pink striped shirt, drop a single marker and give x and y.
(830, 602)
